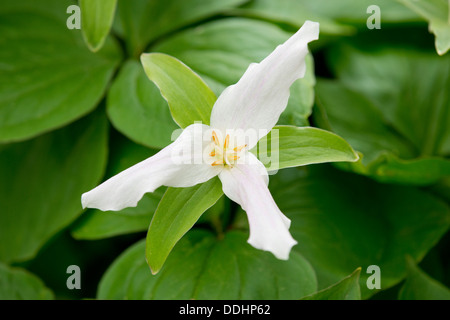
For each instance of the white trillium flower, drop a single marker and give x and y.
(243, 114)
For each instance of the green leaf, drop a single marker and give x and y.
(399, 116)
(42, 181)
(136, 108)
(346, 289)
(349, 11)
(221, 51)
(287, 146)
(292, 12)
(48, 78)
(97, 18)
(404, 85)
(18, 284)
(177, 212)
(143, 21)
(344, 221)
(437, 13)
(420, 286)
(204, 267)
(189, 98)
(96, 224)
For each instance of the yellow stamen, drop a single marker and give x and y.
(216, 163)
(233, 157)
(213, 153)
(237, 149)
(227, 141)
(215, 139)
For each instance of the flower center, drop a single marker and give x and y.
(224, 154)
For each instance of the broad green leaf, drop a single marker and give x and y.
(221, 51)
(346, 289)
(48, 78)
(288, 146)
(177, 212)
(18, 284)
(97, 18)
(387, 156)
(405, 86)
(344, 221)
(41, 182)
(96, 224)
(189, 98)
(442, 188)
(292, 12)
(350, 11)
(420, 286)
(143, 21)
(204, 267)
(437, 13)
(136, 108)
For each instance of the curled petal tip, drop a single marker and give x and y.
(280, 249)
(83, 201)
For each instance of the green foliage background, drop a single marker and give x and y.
(71, 117)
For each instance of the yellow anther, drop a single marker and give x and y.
(237, 149)
(222, 156)
(227, 141)
(215, 139)
(217, 163)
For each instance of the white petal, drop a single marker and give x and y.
(269, 227)
(177, 165)
(261, 95)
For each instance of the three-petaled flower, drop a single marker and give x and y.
(242, 115)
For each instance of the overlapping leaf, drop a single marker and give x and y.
(142, 21)
(42, 181)
(420, 286)
(346, 289)
(204, 267)
(437, 13)
(48, 78)
(391, 106)
(18, 284)
(343, 222)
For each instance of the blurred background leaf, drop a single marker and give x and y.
(437, 13)
(343, 222)
(204, 267)
(141, 22)
(346, 289)
(42, 181)
(391, 106)
(420, 286)
(18, 284)
(49, 78)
